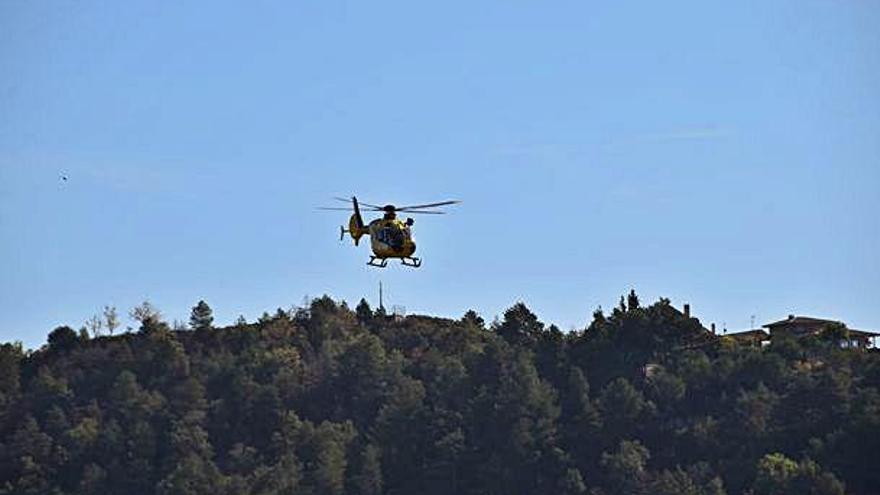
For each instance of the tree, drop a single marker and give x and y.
(779, 475)
(29, 440)
(572, 483)
(92, 480)
(754, 411)
(473, 319)
(328, 443)
(676, 482)
(111, 319)
(364, 312)
(94, 324)
(201, 317)
(62, 338)
(623, 406)
(775, 474)
(380, 313)
(192, 475)
(368, 480)
(11, 356)
(625, 468)
(632, 300)
(283, 477)
(666, 388)
(193, 470)
(580, 416)
(147, 315)
(520, 325)
(835, 334)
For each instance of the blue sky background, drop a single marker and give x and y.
(725, 154)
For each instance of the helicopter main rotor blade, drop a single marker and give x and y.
(334, 208)
(429, 205)
(361, 203)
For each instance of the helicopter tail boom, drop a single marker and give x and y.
(355, 224)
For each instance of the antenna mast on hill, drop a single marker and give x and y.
(381, 306)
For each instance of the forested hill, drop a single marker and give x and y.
(326, 400)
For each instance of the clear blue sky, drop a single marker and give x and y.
(725, 154)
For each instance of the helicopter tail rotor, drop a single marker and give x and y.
(355, 233)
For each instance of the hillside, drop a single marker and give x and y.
(329, 400)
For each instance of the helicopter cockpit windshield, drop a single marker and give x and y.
(394, 236)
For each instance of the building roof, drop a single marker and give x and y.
(754, 331)
(808, 320)
(800, 320)
(862, 333)
(754, 335)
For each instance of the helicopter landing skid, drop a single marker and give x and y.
(382, 263)
(413, 262)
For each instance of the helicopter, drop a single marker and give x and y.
(390, 237)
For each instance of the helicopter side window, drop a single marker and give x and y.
(382, 235)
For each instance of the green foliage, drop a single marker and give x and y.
(520, 326)
(363, 312)
(368, 479)
(326, 400)
(147, 314)
(471, 318)
(63, 338)
(201, 317)
(626, 468)
(10, 360)
(624, 407)
(675, 482)
(779, 475)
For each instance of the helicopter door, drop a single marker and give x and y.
(383, 236)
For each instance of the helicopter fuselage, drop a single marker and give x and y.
(391, 238)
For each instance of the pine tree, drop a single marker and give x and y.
(63, 338)
(625, 468)
(363, 312)
(520, 325)
(632, 300)
(472, 318)
(580, 414)
(368, 479)
(201, 317)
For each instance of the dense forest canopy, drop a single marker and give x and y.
(329, 400)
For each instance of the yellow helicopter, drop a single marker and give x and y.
(390, 237)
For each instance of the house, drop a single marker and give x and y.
(803, 326)
(755, 337)
(702, 338)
